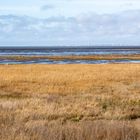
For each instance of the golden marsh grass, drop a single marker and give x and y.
(71, 102)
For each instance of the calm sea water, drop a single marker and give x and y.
(65, 51)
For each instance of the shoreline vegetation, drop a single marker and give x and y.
(70, 102)
(75, 57)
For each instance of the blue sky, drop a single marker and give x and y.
(69, 22)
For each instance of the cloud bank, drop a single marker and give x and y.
(85, 29)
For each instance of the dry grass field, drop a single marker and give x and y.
(70, 102)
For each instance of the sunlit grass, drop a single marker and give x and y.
(59, 99)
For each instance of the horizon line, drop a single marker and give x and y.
(71, 47)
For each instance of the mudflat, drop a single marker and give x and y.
(76, 57)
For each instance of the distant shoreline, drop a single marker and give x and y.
(68, 55)
(69, 59)
(73, 57)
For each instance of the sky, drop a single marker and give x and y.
(69, 22)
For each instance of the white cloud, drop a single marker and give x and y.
(118, 28)
(46, 8)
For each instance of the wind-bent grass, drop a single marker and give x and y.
(71, 102)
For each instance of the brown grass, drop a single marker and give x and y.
(42, 130)
(70, 102)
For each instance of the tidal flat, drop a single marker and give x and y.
(74, 57)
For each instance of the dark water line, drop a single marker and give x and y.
(66, 51)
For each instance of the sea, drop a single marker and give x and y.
(64, 51)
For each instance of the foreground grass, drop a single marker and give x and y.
(71, 102)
